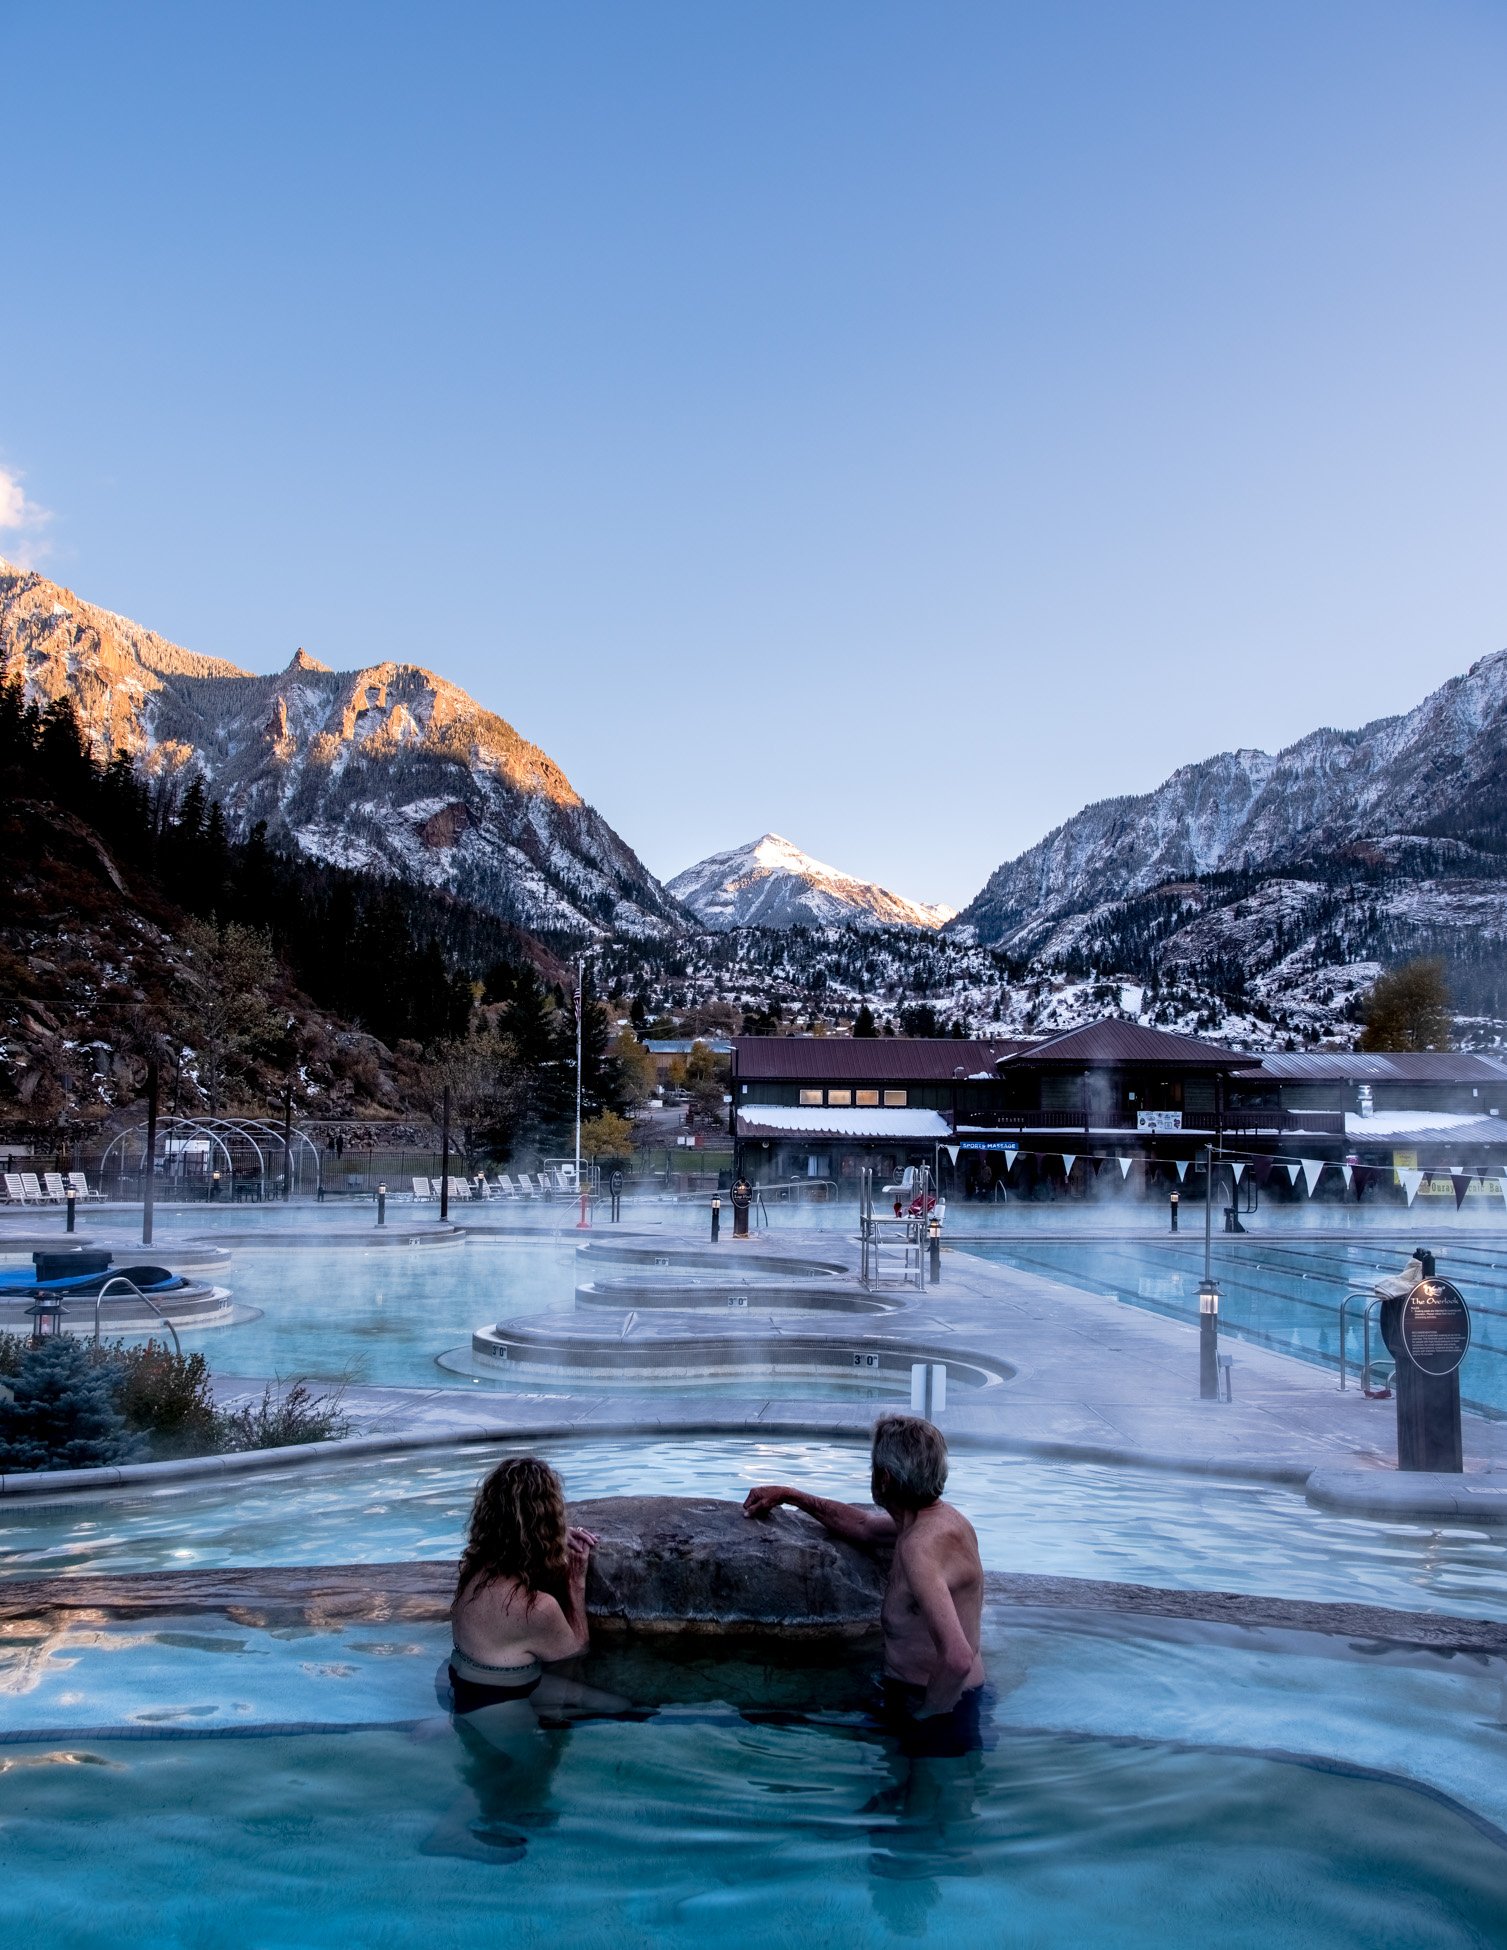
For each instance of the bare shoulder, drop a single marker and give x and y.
(946, 1534)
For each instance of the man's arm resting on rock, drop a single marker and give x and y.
(853, 1521)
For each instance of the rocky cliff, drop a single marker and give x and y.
(388, 767)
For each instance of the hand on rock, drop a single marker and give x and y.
(763, 1498)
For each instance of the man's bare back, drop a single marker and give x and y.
(933, 1603)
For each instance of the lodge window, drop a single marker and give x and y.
(895, 1098)
(839, 1096)
(811, 1096)
(866, 1096)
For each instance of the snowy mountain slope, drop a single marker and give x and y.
(771, 884)
(1440, 769)
(389, 767)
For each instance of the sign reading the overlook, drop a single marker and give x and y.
(1435, 1327)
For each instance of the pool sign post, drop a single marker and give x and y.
(1208, 1295)
(1428, 1335)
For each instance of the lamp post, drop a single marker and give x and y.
(934, 1239)
(1208, 1296)
(46, 1319)
(382, 1204)
(716, 1216)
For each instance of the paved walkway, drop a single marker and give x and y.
(1094, 1379)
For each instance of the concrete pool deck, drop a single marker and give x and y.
(1091, 1379)
(1094, 1379)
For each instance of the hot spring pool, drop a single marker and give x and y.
(1082, 1520)
(207, 1782)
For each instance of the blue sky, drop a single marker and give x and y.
(893, 425)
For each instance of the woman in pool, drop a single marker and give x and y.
(520, 1600)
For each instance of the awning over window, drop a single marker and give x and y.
(855, 1126)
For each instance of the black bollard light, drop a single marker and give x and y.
(1173, 1207)
(1208, 1341)
(72, 1212)
(934, 1239)
(716, 1215)
(381, 1205)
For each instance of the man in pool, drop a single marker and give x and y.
(933, 1682)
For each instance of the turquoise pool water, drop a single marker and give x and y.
(204, 1782)
(1081, 1520)
(1284, 1293)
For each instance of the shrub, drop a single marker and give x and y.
(286, 1413)
(64, 1413)
(168, 1398)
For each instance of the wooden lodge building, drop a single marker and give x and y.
(1044, 1118)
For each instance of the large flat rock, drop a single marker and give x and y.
(674, 1564)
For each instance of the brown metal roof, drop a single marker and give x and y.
(1115, 1044)
(1377, 1066)
(867, 1059)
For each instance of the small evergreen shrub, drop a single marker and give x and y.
(64, 1412)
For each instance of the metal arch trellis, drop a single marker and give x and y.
(224, 1135)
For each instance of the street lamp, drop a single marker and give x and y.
(46, 1319)
(1208, 1339)
(382, 1203)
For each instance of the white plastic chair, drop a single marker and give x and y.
(78, 1184)
(459, 1188)
(15, 1191)
(32, 1189)
(57, 1191)
(420, 1188)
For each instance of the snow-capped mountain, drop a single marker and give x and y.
(1438, 772)
(389, 767)
(771, 884)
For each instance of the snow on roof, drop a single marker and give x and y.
(1414, 1123)
(792, 1120)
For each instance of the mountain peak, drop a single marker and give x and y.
(771, 883)
(301, 660)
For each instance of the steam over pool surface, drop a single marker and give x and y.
(1137, 1526)
(1282, 1292)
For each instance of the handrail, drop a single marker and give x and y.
(119, 1279)
(1371, 1301)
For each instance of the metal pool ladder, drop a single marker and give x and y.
(119, 1279)
(1370, 1301)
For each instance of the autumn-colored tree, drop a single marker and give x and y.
(1409, 1009)
(606, 1138)
(635, 1068)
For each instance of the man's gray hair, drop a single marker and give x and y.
(913, 1454)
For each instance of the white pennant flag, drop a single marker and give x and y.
(1349, 1175)
(1410, 1180)
(1291, 1170)
(1182, 1169)
(952, 1151)
(1010, 1155)
(1069, 1159)
(1311, 1170)
(1237, 1166)
(1125, 1164)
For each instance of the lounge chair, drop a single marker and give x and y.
(460, 1188)
(78, 1184)
(15, 1191)
(32, 1189)
(420, 1188)
(57, 1191)
(479, 1186)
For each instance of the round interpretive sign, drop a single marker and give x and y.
(1435, 1327)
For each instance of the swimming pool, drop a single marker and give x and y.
(204, 1781)
(1079, 1519)
(1283, 1293)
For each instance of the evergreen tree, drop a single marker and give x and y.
(1409, 1009)
(863, 1022)
(64, 1414)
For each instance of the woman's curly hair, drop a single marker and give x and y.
(518, 1531)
